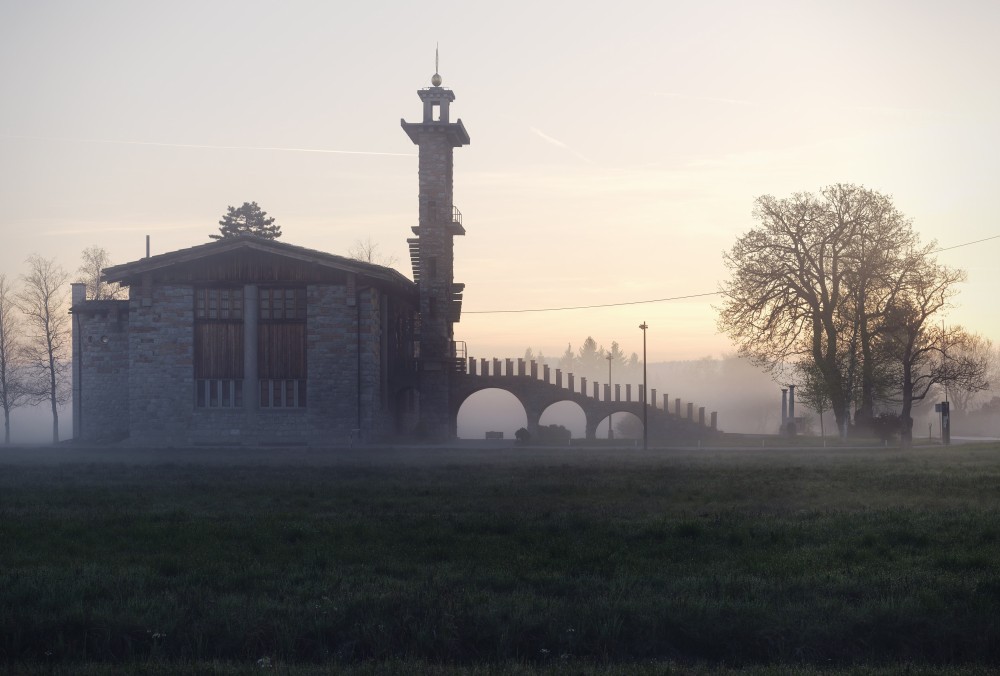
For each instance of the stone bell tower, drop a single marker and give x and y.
(432, 255)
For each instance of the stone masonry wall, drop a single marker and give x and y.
(376, 409)
(332, 360)
(435, 178)
(101, 335)
(160, 381)
(161, 372)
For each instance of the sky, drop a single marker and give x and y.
(617, 148)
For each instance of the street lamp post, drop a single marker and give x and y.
(611, 434)
(645, 401)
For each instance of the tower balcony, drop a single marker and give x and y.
(456, 227)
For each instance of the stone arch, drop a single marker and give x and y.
(568, 413)
(490, 409)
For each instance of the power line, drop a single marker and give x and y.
(588, 307)
(663, 300)
(958, 246)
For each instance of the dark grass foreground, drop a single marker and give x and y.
(573, 561)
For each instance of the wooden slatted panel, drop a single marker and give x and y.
(281, 350)
(218, 350)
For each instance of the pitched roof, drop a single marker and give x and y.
(125, 271)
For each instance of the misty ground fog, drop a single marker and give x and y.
(748, 401)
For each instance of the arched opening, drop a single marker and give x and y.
(490, 410)
(569, 415)
(625, 426)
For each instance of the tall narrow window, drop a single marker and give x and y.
(281, 347)
(218, 347)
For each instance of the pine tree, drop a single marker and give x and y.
(248, 219)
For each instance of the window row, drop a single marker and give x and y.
(282, 303)
(226, 303)
(218, 393)
(218, 303)
(228, 393)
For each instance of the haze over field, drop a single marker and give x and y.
(616, 151)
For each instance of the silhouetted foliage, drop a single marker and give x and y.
(927, 353)
(554, 434)
(830, 282)
(248, 219)
(628, 426)
(522, 436)
(886, 426)
(812, 390)
(90, 272)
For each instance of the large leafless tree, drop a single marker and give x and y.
(928, 353)
(13, 388)
(43, 300)
(882, 245)
(95, 259)
(787, 292)
(819, 284)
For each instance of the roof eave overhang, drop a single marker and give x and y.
(129, 273)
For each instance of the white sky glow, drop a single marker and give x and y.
(616, 149)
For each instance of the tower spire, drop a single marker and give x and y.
(436, 78)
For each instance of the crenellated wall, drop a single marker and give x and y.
(538, 388)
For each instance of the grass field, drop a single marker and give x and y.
(500, 560)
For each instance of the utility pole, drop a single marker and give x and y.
(611, 433)
(645, 402)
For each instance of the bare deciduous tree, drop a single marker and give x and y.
(812, 391)
(13, 390)
(819, 281)
(785, 298)
(980, 349)
(929, 354)
(43, 300)
(873, 265)
(368, 251)
(95, 259)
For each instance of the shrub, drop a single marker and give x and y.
(886, 426)
(554, 434)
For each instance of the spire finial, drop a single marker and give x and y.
(436, 79)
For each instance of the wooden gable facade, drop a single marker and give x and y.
(252, 341)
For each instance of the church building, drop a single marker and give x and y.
(246, 340)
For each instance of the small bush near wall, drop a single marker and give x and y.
(554, 434)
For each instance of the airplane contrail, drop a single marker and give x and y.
(210, 146)
(559, 144)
